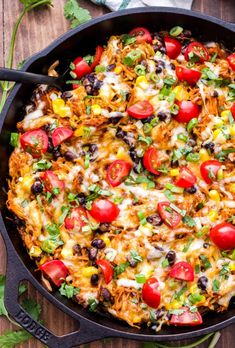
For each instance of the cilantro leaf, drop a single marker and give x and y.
(68, 290)
(189, 221)
(32, 307)
(75, 13)
(12, 338)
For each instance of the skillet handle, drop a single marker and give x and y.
(87, 332)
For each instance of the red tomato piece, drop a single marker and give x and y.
(151, 161)
(61, 134)
(98, 53)
(81, 67)
(231, 61)
(141, 34)
(52, 181)
(187, 111)
(173, 47)
(197, 49)
(185, 178)
(182, 271)
(34, 142)
(55, 270)
(117, 172)
(209, 170)
(223, 235)
(186, 318)
(77, 218)
(233, 110)
(103, 210)
(150, 293)
(170, 217)
(140, 110)
(191, 76)
(106, 269)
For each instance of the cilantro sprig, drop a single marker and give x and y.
(75, 13)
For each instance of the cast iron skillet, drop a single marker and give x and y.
(19, 266)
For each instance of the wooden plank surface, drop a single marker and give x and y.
(38, 29)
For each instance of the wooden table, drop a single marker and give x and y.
(33, 36)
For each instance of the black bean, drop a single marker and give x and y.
(159, 313)
(104, 227)
(206, 245)
(132, 262)
(171, 256)
(77, 249)
(105, 293)
(111, 67)
(202, 282)
(187, 33)
(56, 153)
(120, 133)
(155, 220)
(138, 168)
(157, 47)
(148, 119)
(172, 65)
(115, 120)
(134, 156)
(47, 128)
(92, 148)
(66, 94)
(191, 142)
(215, 94)
(98, 243)
(158, 70)
(50, 146)
(37, 187)
(162, 116)
(162, 50)
(92, 253)
(210, 146)
(94, 279)
(191, 190)
(174, 164)
(70, 156)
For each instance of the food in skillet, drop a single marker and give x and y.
(125, 185)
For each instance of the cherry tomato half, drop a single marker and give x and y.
(60, 134)
(151, 161)
(196, 49)
(77, 218)
(34, 142)
(209, 170)
(81, 67)
(98, 53)
(103, 210)
(170, 217)
(185, 178)
(233, 110)
(55, 270)
(186, 318)
(141, 34)
(106, 269)
(191, 76)
(223, 235)
(52, 181)
(173, 47)
(117, 172)
(187, 111)
(150, 293)
(140, 110)
(182, 271)
(231, 61)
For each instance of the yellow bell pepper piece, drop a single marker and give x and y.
(180, 93)
(214, 195)
(88, 271)
(174, 172)
(204, 156)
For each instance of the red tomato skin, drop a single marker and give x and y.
(231, 61)
(106, 269)
(170, 219)
(213, 165)
(76, 218)
(187, 318)
(150, 158)
(55, 270)
(81, 67)
(121, 169)
(143, 36)
(173, 47)
(103, 210)
(187, 111)
(186, 178)
(182, 271)
(27, 144)
(191, 48)
(223, 236)
(191, 76)
(98, 53)
(61, 134)
(140, 110)
(233, 110)
(51, 181)
(150, 293)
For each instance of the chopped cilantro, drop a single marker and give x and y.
(215, 285)
(68, 290)
(119, 269)
(189, 221)
(205, 262)
(93, 303)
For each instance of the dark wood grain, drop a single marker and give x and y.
(38, 29)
